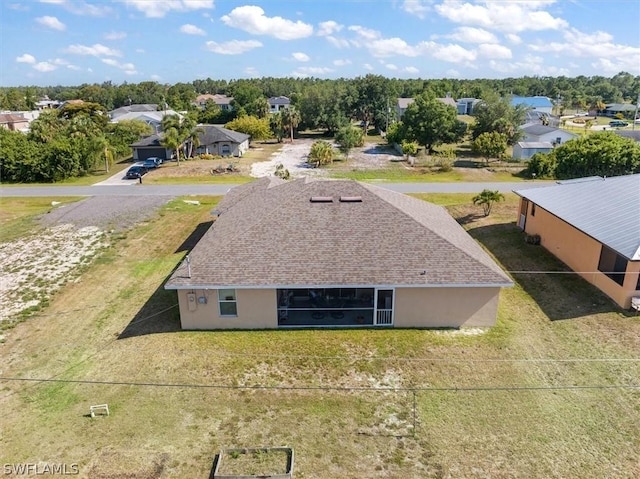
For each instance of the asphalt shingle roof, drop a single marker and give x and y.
(211, 134)
(608, 209)
(269, 234)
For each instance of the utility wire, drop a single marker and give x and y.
(326, 388)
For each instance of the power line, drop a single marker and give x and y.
(327, 388)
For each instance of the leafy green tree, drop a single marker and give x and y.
(409, 150)
(429, 122)
(495, 114)
(599, 154)
(122, 134)
(372, 96)
(542, 165)
(257, 128)
(396, 133)
(321, 153)
(486, 199)
(490, 145)
(349, 137)
(258, 107)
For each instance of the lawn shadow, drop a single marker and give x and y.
(194, 237)
(159, 314)
(558, 291)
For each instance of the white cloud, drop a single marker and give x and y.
(44, 67)
(417, 7)
(337, 42)
(252, 71)
(232, 47)
(388, 47)
(506, 16)
(472, 35)
(530, 64)
(367, 66)
(96, 50)
(451, 53)
(412, 70)
(128, 68)
(451, 73)
(51, 22)
(365, 33)
(305, 72)
(252, 19)
(156, 78)
(495, 51)
(80, 7)
(159, 8)
(115, 36)
(192, 30)
(391, 66)
(513, 38)
(301, 57)
(26, 58)
(74, 68)
(60, 61)
(596, 45)
(328, 28)
(341, 62)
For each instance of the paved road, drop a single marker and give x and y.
(187, 190)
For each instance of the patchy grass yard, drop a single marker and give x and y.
(536, 396)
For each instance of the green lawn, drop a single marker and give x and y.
(532, 397)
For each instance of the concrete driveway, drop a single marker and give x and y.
(118, 179)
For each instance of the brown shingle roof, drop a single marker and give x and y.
(269, 234)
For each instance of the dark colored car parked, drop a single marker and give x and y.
(136, 171)
(151, 163)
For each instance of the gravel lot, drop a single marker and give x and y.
(108, 213)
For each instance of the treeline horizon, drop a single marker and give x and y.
(578, 92)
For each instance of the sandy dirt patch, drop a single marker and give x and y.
(293, 157)
(33, 268)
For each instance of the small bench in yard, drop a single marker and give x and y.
(101, 409)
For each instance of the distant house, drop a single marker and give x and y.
(278, 103)
(633, 134)
(149, 116)
(216, 140)
(465, 106)
(625, 109)
(403, 103)
(14, 122)
(546, 134)
(46, 104)
(523, 150)
(593, 226)
(150, 147)
(138, 108)
(223, 101)
(536, 103)
(306, 253)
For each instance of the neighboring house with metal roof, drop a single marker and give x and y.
(593, 226)
(216, 140)
(466, 106)
(523, 150)
(546, 134)
(536, 103)
(334, 253)
(278, 103)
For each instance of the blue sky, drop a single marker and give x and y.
(70, 42)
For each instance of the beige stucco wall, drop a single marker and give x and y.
(581, 253)
(445, 307)
(256, 310)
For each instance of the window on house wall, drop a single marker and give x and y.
(612, 265)
(533, 209)
(638, 283)
(227, 302)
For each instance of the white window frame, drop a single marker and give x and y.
(223, 295)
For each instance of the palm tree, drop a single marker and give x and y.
(321, 153)
(290, 120)
(176, 131)
(171, 140)
(193, 140)
(487, 198)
